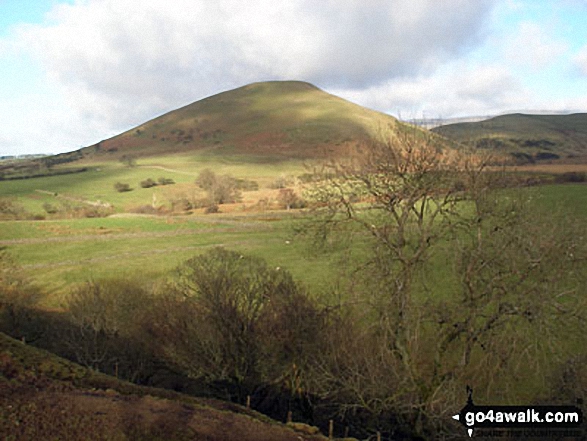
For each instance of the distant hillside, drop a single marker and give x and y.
(284, 118)
(528, 138)
(45, 397)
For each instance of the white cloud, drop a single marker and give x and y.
(532, 46)
(119, 62)
(457, 89)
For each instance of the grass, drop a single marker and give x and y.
(59, 254)
(97, 184)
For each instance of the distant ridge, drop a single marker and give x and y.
(278, 118)
(431, 123)
(528, 138)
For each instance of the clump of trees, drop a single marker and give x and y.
(220, 189)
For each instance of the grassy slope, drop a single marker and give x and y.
(43, 396)
(564, 135)
(272, 120)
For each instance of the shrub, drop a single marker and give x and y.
(212, 209)
(121, 187)
(50, 209)
(246, 185)
(107, 320)
(288, 199)
(181, 204)
(9, 209)
(282, 182)
(232, 318)
(148, 183)
(166, 181)
(571, 177)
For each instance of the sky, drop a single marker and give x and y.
(75, 72)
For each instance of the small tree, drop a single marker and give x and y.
(288, 199)
(224, 191)
(206, 179)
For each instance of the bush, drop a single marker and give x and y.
(148, 183)
(49, 208)
(571, 177)
(246, 185)
(212, 209)
(121, 187)
(107, 319)
(282, 182)
(9, 209)
(288, 199)
(181, 204)
(166, 181)
(232, 318)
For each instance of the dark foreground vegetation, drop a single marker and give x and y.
(454, 279)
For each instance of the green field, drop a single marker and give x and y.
(97, 184)
(57, 254)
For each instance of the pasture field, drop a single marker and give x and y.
(58, 254)
(97, 184)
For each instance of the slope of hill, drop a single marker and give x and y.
(284, 118)
(527, 137)
(45, 397)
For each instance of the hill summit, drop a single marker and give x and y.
(285, 118)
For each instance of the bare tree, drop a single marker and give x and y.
(418, 205)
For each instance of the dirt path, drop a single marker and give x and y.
(71, 198)
(160, 167)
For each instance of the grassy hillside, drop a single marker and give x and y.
(276, 119)
(262, 132)
(528, 138)
(46, 397)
